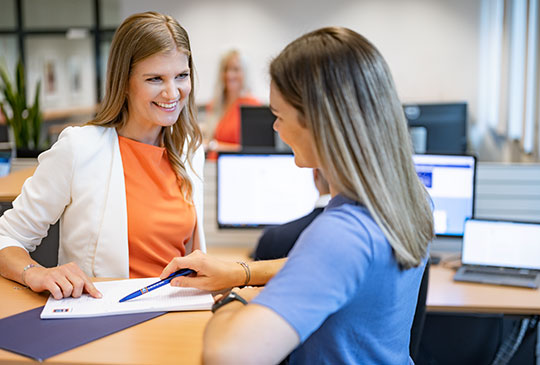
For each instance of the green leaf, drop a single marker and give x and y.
(36, 118)
(26, 119)
(20, 82)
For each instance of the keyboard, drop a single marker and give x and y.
(499, 276)
(517, 273)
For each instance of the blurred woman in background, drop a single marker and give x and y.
(223, 123)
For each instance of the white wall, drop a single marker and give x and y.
(69, 59)
(430, 45)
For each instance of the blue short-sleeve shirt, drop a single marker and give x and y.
(343, 291)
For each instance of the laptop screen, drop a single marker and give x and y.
(501, 243)
(450, 181)
(261, 189)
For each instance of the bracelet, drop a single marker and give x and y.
(29, 266)
(246, 270)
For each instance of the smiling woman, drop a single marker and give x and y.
(127, 186)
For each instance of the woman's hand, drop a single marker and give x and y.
(62, 281)
(211, 273)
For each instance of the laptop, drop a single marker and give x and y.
(501, 253)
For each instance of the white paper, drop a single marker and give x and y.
(165, 298)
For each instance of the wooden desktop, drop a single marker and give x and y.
(445, 295)
(11, 184)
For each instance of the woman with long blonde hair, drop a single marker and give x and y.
(230, 93)
(127, 186)
(347, 292)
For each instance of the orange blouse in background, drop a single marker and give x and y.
(160, 220)
(228, 128)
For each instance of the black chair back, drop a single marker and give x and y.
(419, 315)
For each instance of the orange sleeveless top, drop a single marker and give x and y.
(228, 128)
(160, 220)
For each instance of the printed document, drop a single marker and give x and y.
(165, 298)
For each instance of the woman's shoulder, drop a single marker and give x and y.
(343, 208)
(347, 218)
(85, 140)
(85, 133)
(248, 100)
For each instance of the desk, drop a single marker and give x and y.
(172, 338)
(11, 184)
(445, 295)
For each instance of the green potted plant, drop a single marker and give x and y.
(23, 119)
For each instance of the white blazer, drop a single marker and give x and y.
(80, 180)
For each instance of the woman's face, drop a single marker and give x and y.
(158, 90)
(233, 76)
(291, 131)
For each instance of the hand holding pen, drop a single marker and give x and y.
(212, 273)
(157, 284)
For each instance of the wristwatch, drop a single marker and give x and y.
(226, 300)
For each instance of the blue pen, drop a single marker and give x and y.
(167, 280)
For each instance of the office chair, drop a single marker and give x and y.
(45, 254)
(419, 315)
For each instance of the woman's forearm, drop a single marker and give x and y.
(216, 274)
(262, 271)
(13, 260)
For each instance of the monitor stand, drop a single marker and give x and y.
(419, 139)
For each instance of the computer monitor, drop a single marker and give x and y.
(257, 127)
(450, 181)
(5, 162)
(438, 128)
(262, 189)
(257, 131)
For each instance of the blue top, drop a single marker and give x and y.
(343, 292)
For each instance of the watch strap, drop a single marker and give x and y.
(232, 296)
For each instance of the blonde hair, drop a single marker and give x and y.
(138, 37)
(219, 99)
(344, 93)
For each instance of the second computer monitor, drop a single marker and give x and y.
(438, 128)
(257, 127)
(450, 181)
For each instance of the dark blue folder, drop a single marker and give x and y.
(27, 334)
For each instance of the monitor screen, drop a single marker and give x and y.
(450, 181)
(5, 162)
(438, 128)
(257, 126)
(262, 189)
